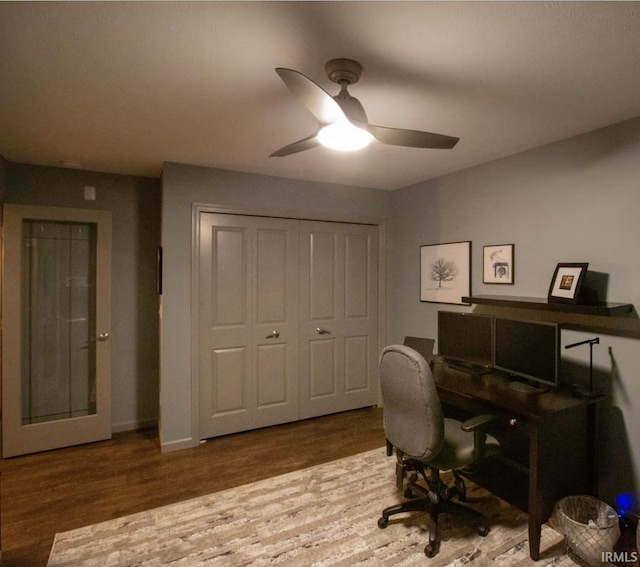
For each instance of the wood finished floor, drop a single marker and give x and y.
(65, 489)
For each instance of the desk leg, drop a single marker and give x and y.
(535, 530)
(536, 468)
(560, 463)
(535, 525)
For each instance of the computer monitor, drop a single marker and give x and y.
(465, 340)
(528, 349)
(423, 346)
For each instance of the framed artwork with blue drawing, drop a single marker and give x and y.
(445, 272)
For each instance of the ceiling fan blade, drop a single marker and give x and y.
(412, 138)
(313, 96)
(299, 146)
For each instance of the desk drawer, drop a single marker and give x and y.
(505, 421)
(513, 434)
(521, 424)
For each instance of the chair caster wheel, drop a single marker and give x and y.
(431, 549)
(383, 523)
(483, 531)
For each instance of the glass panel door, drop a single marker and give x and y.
(58, 320)
(56, 352)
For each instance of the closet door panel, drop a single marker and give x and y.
(361, 316)
(323, 371)
(322, 249)
(228, 393)
(225, 362)
(275, 316)
(272, 385)
(357, 272)
(338, 306)
(357, 369)
(248, 316)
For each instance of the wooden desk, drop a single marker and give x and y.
(547, 441)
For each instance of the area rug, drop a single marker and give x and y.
(321, 516)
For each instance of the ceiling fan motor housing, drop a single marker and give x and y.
(343, 71)
(346, 72)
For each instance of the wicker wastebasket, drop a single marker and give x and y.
(590, 526)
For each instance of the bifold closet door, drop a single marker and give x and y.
(338, 317)
(248, 322)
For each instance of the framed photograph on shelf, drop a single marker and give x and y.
(497, 264)
(566, 282)
(445, 272)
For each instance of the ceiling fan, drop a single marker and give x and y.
(342, 116)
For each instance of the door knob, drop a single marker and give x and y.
(273, 334)
(322, 331)
(102, 337)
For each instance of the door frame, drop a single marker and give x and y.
(197, 209)
(86, 428)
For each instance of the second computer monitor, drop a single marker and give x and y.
(528, 349)
(466, 339)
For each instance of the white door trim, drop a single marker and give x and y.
(197, 210)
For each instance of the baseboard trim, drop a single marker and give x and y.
(178, 445)
(133, 425)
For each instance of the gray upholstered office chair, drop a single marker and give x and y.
(427, 443)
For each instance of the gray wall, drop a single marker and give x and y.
(184, 185)
(573, 201)
(135, 206)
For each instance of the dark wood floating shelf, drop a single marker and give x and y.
(603, 309)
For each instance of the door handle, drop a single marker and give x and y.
(102, 337)
(322, 331)
(273, 334)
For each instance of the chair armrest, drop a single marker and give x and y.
(477, 421)
(477, 425)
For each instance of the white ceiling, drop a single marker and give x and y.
(124, 86)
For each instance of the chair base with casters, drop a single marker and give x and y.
(436, 499)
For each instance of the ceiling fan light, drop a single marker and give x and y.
(344, 137)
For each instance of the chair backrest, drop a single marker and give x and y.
(413, 420)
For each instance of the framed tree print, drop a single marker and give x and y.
(445, 272)
(497, 264)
